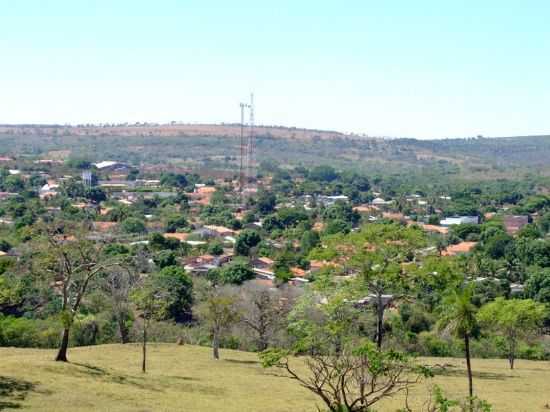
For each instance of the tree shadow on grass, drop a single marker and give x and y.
(183, 378)
(242, 362)
(145, 382)
(13, 391)
(104, 374)
(452, 371)
(77, 369)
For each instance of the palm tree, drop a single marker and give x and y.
(459, 318)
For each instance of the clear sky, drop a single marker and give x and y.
(386, 67)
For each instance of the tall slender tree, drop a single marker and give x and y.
(459, 317)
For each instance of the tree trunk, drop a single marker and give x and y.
(512, 354)
(263, 341)
(380, 321)
(262, 345)
(469, 369)
(123, 330)
(62, 353)
(216, 346)
(144, 360)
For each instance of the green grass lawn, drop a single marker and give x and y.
(186, 378)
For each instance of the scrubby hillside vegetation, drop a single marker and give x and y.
(216, 147)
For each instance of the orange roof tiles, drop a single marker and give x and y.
(298, 272)
(462, 247)
(179, 236)
(435, 228)
(104, 226)
(393, 216)
(206, 190)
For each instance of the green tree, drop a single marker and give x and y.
(133, 225)
(310, 240)
(235, 273)
(537, 286)
(159, 242)
(497, 246)
(383, 256)
(544, 223)
(513, 319)
(459, 317)
(215, 248)
(95, 194)
(266, 202)
(337, 226)
(246, 240)
(5, 246)
(14, 184)
(148, 301)
(347, 373)
(165, 258)
(176, 289)
(176, 222)
(341, 211)
(323, 173)
(173, 180)
(219, 311)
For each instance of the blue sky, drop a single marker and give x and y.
(391, 68)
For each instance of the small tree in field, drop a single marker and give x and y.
(70, 263)
(148, 301)
(218, 312)
(514, 320)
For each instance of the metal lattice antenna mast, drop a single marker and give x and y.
(251, 175)
(243, 151)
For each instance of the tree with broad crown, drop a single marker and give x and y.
(513, 319)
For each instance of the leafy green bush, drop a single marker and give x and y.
(24, 333)
(430, 344)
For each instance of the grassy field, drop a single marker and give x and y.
(185, 378)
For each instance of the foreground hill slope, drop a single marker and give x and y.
(185, 378)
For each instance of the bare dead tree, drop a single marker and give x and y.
(264, 310)
(118, 284)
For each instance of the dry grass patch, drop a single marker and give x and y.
(186, 378)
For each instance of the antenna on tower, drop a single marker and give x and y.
(251, 175)
(247, 173)
(243, 151)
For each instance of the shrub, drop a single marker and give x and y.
(28, 333)
(430, 344)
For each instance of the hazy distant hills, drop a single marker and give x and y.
(217, 146)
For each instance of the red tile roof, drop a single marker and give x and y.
(462, 247)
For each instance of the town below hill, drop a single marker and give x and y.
(322, 271)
